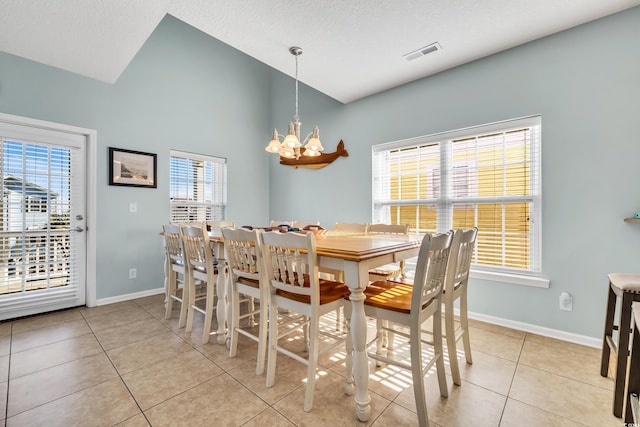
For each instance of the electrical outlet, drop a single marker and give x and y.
(566, 301)
(132, 273)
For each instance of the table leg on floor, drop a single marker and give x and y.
(221, 307)
(360, 360)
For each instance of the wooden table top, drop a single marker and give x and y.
(358, 247)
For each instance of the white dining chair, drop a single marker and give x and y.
(176, 274)
(408, 306)
(387, 271)
(203, 271)
(350, 228)
(343, 228)
(291, 268)
(455, 289)
(244, 257)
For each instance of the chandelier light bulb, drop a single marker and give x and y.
(291, 140)
(314, 143)
(274, 145)
(287, 152)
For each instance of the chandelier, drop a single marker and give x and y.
(291, 146)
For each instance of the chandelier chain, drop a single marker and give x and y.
(293, 144)
(296, 117)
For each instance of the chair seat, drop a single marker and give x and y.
(330, 291)
(625, 282)
(389, 295)
(254, 283)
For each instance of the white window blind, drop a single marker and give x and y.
(486, 177)
(198, 187)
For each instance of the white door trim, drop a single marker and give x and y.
(91, 197)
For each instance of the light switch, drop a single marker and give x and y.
(133, 207)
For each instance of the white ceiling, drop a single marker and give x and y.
(352, 48)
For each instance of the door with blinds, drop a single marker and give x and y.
(42, 219)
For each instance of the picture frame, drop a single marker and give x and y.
(132, 168)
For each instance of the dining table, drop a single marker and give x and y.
(355, 255)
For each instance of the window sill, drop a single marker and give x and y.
(515, 279)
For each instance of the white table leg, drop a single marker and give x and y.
(230, 307)
(358, 335)
(221, 307)
(221, 290)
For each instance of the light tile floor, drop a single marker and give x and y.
(124, 364)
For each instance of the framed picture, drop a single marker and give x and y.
(132, 168)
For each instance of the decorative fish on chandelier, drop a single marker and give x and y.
(315, 162)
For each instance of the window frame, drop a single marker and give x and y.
(443, 203)
(213, 209)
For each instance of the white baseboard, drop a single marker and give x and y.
(127, 297)
(520, 326)
(538, 330)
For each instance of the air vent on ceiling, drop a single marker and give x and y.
(422, 51)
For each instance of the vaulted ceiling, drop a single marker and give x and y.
(352, 48)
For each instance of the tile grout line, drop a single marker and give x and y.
(223, 372)
(116, 370)
(512, 378)
(44, 403)
(527, 334)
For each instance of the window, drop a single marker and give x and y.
(198, 187)
(486, 177)
(35, 204)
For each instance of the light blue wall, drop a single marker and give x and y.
(585, 83)
(184, 90)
